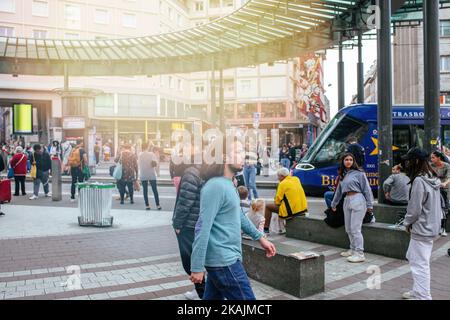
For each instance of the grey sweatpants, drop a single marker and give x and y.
(419, 255)
(354, 211)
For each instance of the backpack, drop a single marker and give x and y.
(74, 158)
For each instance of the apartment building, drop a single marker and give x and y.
(139, 107)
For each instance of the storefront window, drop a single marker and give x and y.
(273, 110)
(246, 110)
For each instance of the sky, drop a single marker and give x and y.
(350, 61)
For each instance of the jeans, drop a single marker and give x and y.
(250, 181)
(185, 240)
(37, 183)
(329, 195)
(229, 283)
(285, 162)
(154, 189)
(77, 176)
(122, 184)
(19, 180)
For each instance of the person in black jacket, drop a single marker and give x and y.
(357, 150)
(185, 216)
(43, 167)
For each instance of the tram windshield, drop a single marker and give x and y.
(330, 146)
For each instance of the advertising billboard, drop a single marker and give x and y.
(22, 118)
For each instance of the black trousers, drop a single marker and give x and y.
(444, 220)
(21, 180)
(185, 240)
(123, 185)
(77, 176)
(154, 189)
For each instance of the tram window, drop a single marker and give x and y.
(446, 139)
(401, 140)
(334, 147)
(418, 136)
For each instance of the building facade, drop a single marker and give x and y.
(139, 107)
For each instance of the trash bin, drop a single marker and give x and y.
(95, 201)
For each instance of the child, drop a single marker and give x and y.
(256, 215)
(243, 194)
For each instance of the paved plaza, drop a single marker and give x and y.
(138, 257)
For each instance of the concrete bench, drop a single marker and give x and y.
(300, 278)
(390, 214)
(379, 238)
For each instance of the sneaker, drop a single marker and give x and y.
(72, 199)
(48, 194)
(159, 208)
(147, 208)
(357, 257)
(266, 230)
(347, 253)
(1, 213)
(408, 296)
(444, 233)
(191, 295)
(33, 197)
(280, 232)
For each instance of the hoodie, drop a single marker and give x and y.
(424, 210)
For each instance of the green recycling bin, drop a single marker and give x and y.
(95, 201)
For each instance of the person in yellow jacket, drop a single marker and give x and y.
(290, 199)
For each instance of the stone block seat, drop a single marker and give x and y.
(379, 238)
(300, 278)
(391, 214)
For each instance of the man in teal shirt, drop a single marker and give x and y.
(217, 246)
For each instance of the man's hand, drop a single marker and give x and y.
(177, 231)
(387, 195)
(408, 229)
(268, 246)
(334, 209)
(370, 210)
(197, 277)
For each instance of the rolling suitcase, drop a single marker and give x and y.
(5, 190)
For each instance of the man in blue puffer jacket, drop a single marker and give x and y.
(185, 216)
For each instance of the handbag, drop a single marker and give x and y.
(10, 173)
(86, 172)
(33, 171)
(117, 173)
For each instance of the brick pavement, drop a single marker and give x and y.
(144, 264)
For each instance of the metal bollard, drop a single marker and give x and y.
(56, 180)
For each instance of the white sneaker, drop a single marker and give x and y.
(48, 194)
(347, 253)
(356, 257)
(72, 200)
(33, 197)
(444, 233)
(408, 296)
(191, 295)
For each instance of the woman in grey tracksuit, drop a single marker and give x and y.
(358, 200)
(422, 221)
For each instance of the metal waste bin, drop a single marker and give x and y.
(95, 201)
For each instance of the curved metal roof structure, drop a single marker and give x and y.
(261, 31)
